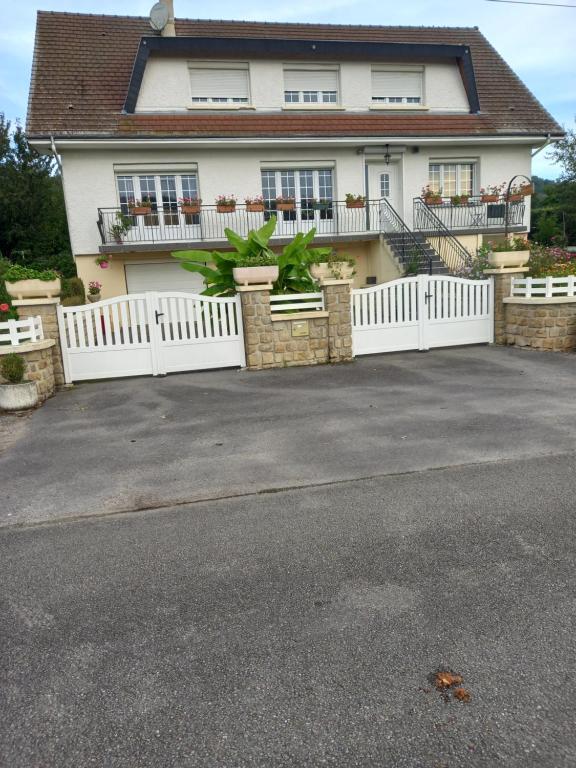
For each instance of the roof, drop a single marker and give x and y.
(83, 65)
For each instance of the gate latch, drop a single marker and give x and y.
(427, 296)
(158, 314)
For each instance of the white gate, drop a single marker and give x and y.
(150, 333)
(422, 312)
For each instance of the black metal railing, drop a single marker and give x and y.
(410, 251)
(472, 215)
(171, 223)
(448, 248)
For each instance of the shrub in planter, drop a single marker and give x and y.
(321, 205)
(256, 269)
(120, 228)
(16, 395)
(332, 266)
(103, 261)
(355, 201)
(492, 193)
(28, 283)
(72, 286)
(514, 253)
(459, 199)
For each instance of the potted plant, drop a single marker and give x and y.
(431, 196)
(492, 193)
(258, 269)
(103, 261)
(94, 289)
(507, 253)
(254, 204)
(140, 207)
(514, 195)
(285, 203)
(120, 228)
(225, 203)
(331, 265)
(28, 283)
(190, 205)
(459, 199)
(321, 205)
(355, 201)
(16, 394)
(526, 190)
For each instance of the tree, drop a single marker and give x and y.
(33, 227)
(564, 153)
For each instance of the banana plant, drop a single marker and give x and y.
(294, 264)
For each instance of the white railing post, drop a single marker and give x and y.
(13, 332)
(570, 285)
(528, 293)
(548, 287)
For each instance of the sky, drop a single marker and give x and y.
(537, 42)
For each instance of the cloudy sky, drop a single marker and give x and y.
(539, 43)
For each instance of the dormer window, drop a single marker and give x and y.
(311, 85)
(219, 83)
(396, 86)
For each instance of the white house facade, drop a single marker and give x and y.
(304, 115)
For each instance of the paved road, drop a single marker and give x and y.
(298, 627)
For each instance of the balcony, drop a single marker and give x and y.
(473, 216)
(169, 224)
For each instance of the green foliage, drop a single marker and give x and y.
(121, 227)
(516, 244)
(73, 286)
(73, 301)
(260, 260)
(564, 153)
(17, 272)
(5, 298)
(12, 368)
(413, 263)
(33, 228)
(546, 261)
(294, 264)
(554, 212)
(475, 266)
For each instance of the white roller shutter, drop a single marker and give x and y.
(388, 83)
(219, 83)
(168, 276)
(310, 80)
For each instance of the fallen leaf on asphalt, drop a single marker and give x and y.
(445, 679)
(462, 694)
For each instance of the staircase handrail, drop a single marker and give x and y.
(399, 226)
(450, 250)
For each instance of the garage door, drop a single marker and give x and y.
(162, 276)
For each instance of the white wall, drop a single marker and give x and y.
(89, 175)
(166, 86)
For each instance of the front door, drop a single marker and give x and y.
(384, 182)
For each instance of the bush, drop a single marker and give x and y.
(12, 368)
(17, 272)
(73, 301)
(550, 262)
(5, 298)
(72, 286)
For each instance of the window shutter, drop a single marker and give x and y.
(219, 83)
(387, 83)
(310, 80)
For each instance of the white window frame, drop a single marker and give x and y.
(306, 98)
(399, 102)
(171, 212)
(218, 101)
(459, 165)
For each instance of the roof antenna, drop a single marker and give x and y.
(162, 18)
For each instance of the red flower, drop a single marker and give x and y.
(4, 308)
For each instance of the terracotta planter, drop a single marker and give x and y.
(255, 275)
(285, 206)
(92, 297)
(433, 200)
(489, 198)
(34, 289)
(104, 264)
(335, 270)
(255, 207)
(502, 259)
(527, 190)
(355, 204)
(18, 397)
(141, 210)
(225, 208)
(514, 198)
(190, 209)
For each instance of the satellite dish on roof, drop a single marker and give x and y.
(159, 16)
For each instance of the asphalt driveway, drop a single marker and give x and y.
(361, 527)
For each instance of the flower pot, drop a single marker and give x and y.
(141, 210)
(433, 200)
(18, 397)
(104, 264)
(190, 209)
(335, 270)
(34, 289)
(255, 207)
(514, 198)
(285, 206)
(255, 275)
(489, 198)
(527, 190)
(226, 208)
(502, 259)
(355, 204)
(92, 297)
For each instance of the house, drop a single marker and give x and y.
(308, 113)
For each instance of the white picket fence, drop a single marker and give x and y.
(543, 287)
(296, 302)
(14, 332)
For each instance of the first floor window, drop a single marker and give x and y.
(311, 189)
(161, 192)
(452, 178)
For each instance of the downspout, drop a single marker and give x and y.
(55, 153)
(536, 151)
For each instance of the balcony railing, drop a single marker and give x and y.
(170, 224)
(472, 216)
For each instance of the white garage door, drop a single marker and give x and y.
(162, 276)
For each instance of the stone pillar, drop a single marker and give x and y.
(502, 283)
(338, 304)
(257, 322)
(47, 309)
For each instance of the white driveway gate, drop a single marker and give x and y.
(150, 333)
(422, 312)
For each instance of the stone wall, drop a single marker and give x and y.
(47, 309)
(538, 325)
(38, 361)
(338, 303)
(291, 348)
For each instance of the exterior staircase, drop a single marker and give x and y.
(403, 248)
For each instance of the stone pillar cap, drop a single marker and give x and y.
(34, 302)
(506, 271)
(258, 287)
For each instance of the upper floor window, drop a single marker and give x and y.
(397, 86)
(311, 86)
(219, 83)
(162, 193)
(451, 179)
